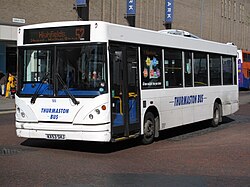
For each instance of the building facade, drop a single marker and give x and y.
(15, 13)
(217, 20)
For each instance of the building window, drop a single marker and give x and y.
(222, 8)
(235, 11)
(225, 9)
(82, 8)
(173, 68)
(200, 69)
(151, 63)
(242, 13)
(229, 9)
(131, 20)
(215, 69)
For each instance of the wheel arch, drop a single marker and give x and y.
(155, 112)
(218, 100)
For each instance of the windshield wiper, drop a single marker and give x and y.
(36, 94)
(65, 88)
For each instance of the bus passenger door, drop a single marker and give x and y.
(124, 90)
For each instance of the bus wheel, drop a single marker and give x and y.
(216, 115)
(149, 129)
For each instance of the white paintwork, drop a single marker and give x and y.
(78, 126)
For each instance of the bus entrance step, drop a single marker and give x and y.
(125, 137)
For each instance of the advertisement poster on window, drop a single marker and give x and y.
(151, 68)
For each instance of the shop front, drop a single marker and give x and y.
(8, 49)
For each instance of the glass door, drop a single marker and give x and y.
(124, 90)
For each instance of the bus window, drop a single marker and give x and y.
(188, 69)
(215, 69)
(200, 69)
(151, 59)
(36, 64)
(37, 68)
(173, 68)
(227, 70)
(82, 69)
(235, 71)
(245, 57)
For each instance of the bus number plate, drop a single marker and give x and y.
(56, 136)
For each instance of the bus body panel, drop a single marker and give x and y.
(63, 110)
(136, 35)
(59, 118)
(99, 136)
(103, 31)
(243, 69)
(199, 107)
(72, 121)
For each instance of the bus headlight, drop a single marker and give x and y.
(104, 107)
(20, 112)
(23, 114)
(97, 111)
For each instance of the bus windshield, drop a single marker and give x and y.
(79, 70)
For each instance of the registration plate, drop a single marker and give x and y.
(55, 136)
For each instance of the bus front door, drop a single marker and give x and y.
(124, 91)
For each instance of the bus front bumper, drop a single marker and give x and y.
(99, 133)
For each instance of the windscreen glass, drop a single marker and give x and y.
(36, 71)
(82, 70)
(79, 70)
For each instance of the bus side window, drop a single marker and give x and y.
(151, 67)
(227, 70)
(173, 68)
(188, 69)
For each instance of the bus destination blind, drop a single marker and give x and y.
(57, 34)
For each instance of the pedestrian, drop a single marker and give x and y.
(10, 85)
(3, 82)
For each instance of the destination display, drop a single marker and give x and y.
(57, 34)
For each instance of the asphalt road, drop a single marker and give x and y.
(194, 155)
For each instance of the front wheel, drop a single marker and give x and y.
(148, 129)
(216, 115)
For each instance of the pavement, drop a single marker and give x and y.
(244, 97)
(7, 105)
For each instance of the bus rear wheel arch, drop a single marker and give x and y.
(150, 127)
(217, 114)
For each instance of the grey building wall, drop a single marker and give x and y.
(149, 13)
(37, 11)
(27, 12)
(217, 20)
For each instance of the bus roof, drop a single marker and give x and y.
(103, 32)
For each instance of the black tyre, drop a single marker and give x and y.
(216, 115)
(148, 129)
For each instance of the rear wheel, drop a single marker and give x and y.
(216, 115)
(148, 129)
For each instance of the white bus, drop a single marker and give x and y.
(97, 81)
